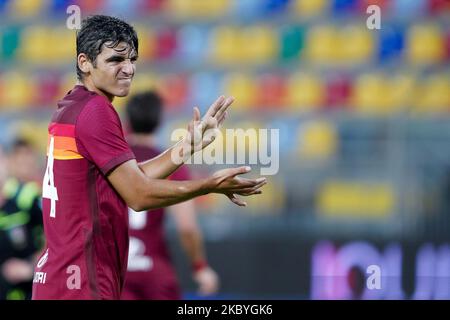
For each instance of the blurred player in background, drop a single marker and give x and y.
(151, 275)
(21, 234)
(92, 175)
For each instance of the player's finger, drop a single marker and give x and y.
(196, 116)
(239, 170)
(237, 201)
(222, 119)
(215, 107)
(228, 102)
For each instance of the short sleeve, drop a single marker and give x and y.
(100, 136)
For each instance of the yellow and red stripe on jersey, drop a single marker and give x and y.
(65, 147)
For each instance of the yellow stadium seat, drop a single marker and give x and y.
(433, 95)
(197, 8)
(318, 140)
(259, 45)
(425, 44)
(322, 45)
(308, 8)
(225, 45)
(27, 8)
(305, 92)
(356, 45)
(18, 90)
(347, 199)
(243, 88)
(62, 46)
(147, 42)
(35, 44)
(401, 92)
(371, 95)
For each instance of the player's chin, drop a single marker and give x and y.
(122, 91)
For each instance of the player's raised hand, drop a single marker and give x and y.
(201, 132)
(228, 182)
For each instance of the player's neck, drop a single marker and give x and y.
(137, 139)
(91, 87)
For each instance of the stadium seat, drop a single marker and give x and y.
(224, 45)
(192, 44)
(308, 8)
(323, 45)
(356, 45)
(407, 9)
(3, 5)
(291, 42)
(433, 95)
(425, 45)
(370, 94)
(344, 6)
(401, 92)
(18, 90)
(150, 6)
(63, 45)
(272, 91)
(246, 9)
(59, 6)
(197, 9)
(47, 90)
(166, 44)
(204, 90)
(259, 45)
(355, 199)
(305, 92)
(391, 43)
(147, 42)
(112, 7)
(91, 6)
(274, 6)
(243, 88)
(9, 42)
(318, 140)
(34, 45)
(364, 4)
(27, 8)
(339, 89)
(439, 7)
(174, 90)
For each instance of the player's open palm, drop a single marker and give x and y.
(201, 132)
(228, 182)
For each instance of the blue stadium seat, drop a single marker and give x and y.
(391, 43)
(408, 9)
(192, 44)
(344, 6)
(204, 89)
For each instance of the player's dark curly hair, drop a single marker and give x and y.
(143, 111)
(97, 30)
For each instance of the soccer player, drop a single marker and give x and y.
(150, 274)
(92, 175)
(21, 234)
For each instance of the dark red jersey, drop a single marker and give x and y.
(85, 219)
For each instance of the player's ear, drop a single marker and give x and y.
(84, 63)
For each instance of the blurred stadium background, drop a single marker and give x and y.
(364, 120)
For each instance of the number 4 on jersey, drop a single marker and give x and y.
(48, 186)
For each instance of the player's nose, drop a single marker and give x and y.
(127, 68)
